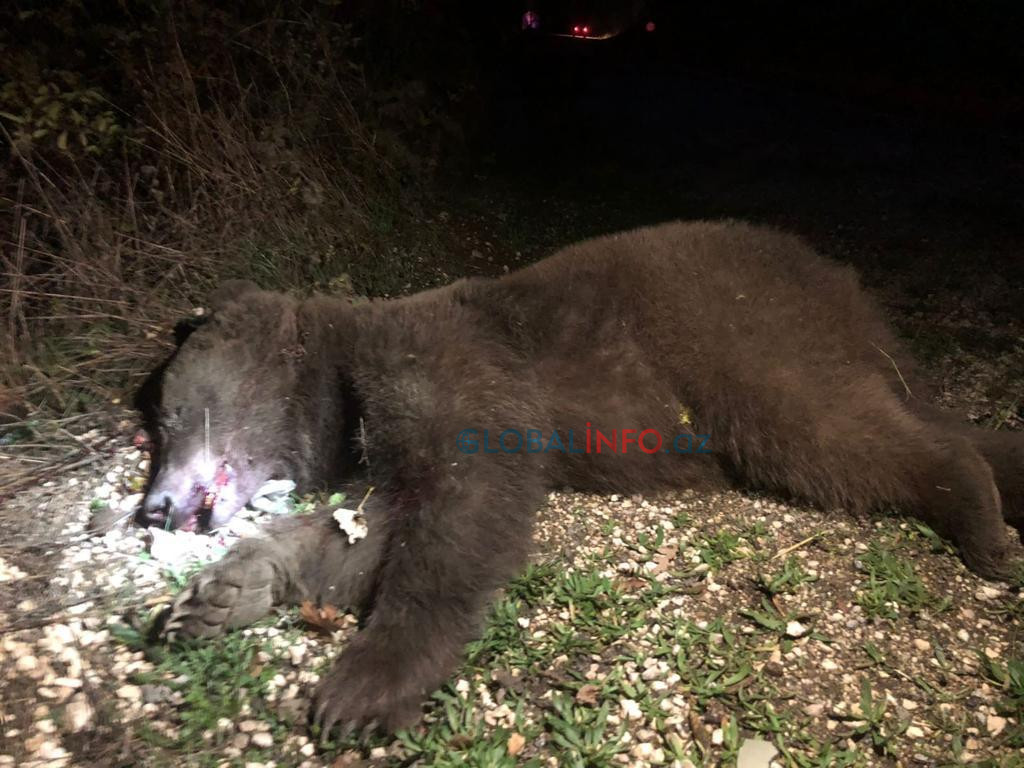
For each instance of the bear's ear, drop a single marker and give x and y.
(229, 292)
(183, 328)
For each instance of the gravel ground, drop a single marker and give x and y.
(680, 630)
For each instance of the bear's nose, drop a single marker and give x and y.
(156, 508)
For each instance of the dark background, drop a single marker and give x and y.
(155, 148)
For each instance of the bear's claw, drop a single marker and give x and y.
(363, 693)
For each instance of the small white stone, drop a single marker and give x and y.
(130, 502)
(130, 692)
(995, 724)
(78, 713)
(630, 709)
(642, 751)
(263, 739)
(51, 751)
(795, 629)
(297, 652)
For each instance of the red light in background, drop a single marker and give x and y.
(576, 29)
(650, 27)
(586, 30)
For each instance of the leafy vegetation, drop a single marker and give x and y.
(156, 148)
(892, 586)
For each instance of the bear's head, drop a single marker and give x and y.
(224, 422)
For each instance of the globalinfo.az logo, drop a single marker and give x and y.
(648, 441)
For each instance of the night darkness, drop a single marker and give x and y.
(163, 158)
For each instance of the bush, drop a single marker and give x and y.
(157, 147)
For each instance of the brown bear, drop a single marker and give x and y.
(744, 358)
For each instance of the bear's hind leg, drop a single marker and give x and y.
(954, 491)
(1004, 451)
(863, 448)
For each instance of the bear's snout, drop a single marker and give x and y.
(173, 503)
(191, 498)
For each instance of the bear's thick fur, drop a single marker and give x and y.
(728, 330)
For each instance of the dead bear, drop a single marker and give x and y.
(738, 332)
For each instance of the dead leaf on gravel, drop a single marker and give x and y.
(665, 557)
(700, 735)
(350, 759)
(632, 584)
(516, 742)
(326, 619)
(588, 694)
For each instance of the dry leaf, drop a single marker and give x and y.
(700, 735)
(350, 759)
(327, 619)
(352, 523)
(631, 584)
(588, 694)
(665, 557)
(516, 742)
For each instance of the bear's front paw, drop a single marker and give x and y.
(365, 691)
(232, 593)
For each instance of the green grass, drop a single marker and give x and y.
(582, 735)
(892, 587)
(458, 737)
(1008, 676)
(720, 549)
(786, 580)
(218, 679)
(872, 725)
